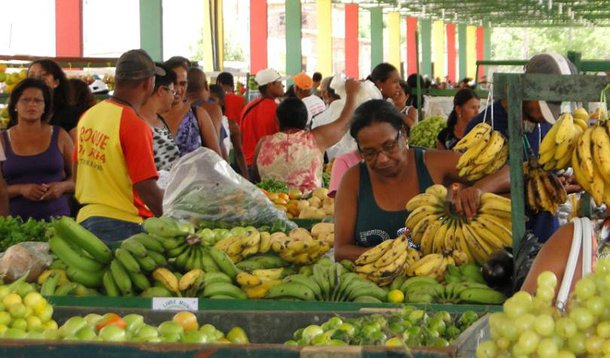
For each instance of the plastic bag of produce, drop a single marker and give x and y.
(26, 257)
(204, 189)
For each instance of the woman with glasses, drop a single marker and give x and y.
(38, 165)
(165, 150)
(295, 155)
(371, 199)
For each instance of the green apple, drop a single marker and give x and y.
(237, 335)
(14, 333)
(320, 340)
(45, 313)
(133, 322)
(208, 329)
(4, 290)
(310, 332)
(112, 333)
(35, 335)
(170, 337)
(17, 310)
(33, 299)
(33, 323)
(147, 331)
(195, 337)
(5, 318)
(72, 325)
(50, 334)
(86, 333)
(170, 327)
(19, 323)
(93, 318)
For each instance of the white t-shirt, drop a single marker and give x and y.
(347, 143)
(314, 105)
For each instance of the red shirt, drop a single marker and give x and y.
(256, 123)
(234, 104)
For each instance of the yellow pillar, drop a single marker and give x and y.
(220, 35)
(394, 39)
(325, 39)
(438, 41)
(208, 52)
(471, 51)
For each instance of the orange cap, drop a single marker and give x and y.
(303, 81)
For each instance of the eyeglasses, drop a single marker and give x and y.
(27, 100)
(170, 90)
(387, 148)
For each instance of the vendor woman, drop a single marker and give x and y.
(370, 203)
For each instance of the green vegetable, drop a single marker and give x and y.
(273, 186)
(424, 133)
(14, 230)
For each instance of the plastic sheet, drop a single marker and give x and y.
(29, 257)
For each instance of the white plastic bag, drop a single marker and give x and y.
(204, 189)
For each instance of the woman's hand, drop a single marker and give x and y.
(34, 192)
(466, 200)
(352, 87)
(52, 191)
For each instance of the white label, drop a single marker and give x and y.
(175, 304)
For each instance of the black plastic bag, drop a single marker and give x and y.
(528, 250)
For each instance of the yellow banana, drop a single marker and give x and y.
(269, 274)
(474, 136)
(373, 254)
(495, 144)
(427, 264)
(427, 239)
(265, 243)
(246, 279)
(424, 199)
(438, 190)
(479, 253)
(392, 253)
(601, 150)
(462, 243)
(470, 155)
(584, 153)
(581, 123)
(498, 230)
(189, 278)
(597, 187)
(581, 177)
(438, 241)
(500, 161)
(250, 244)
(565, 127)
(420, 213)
(491, 201)
(167, 279)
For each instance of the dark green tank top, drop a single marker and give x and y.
(373, 224)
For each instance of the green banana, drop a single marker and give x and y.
(207, 262)
(168, 243)
(417, 280)
(319, 275)
(224, 262)
(72, 258)
(419, 298)
(291, 290)
(121, 278)
(66, 289)
(176, 251)
(69, 230)
(331, 275)
(397, 282)
(112, 290)
(370, 290)
(367, 299)
(306, 281)
(85, 278)
(134, 247)
(481, 295)
(214, 277)
(127, 260)
(147, 263)
(163, 227)
(156, 291)
(50, 285)
(344, 283)
(139, 280)
(472, 272)
(158, 258)
(264, 261)
(58, 264)
(150, 242)
(221, 297)
(224, 288)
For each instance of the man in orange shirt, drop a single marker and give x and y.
(115, 167)
(258, 117)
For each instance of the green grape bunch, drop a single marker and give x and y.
(424, 133)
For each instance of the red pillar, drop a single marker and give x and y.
(451, 51)
(68, 28)
(258, 35)
(481, 49)
(351, 41)
(411, 45)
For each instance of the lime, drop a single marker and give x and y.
(396, 296)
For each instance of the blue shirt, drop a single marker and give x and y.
(542, 224)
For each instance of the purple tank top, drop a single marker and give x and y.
(188, 136)
(46, 167)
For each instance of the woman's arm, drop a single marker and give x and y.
(440, 146)
(208, 131)
(346, 211)
(215, 113)
(238, 153)
(255, 175)
(3, 195)
(410, 118)
(331, 133)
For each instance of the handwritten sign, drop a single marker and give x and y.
(175, 304)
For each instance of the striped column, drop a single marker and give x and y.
(412, 55)
(352, 59)
(207, 34)
(426, 46)
(376, 36)
(293, 37)
(438, 40)
(258, 35)
(480, 49)
(220, 36)
(451, 52)
(462, 53)
(68, 28)
(325, 37)
(471, 50)
(394, 40)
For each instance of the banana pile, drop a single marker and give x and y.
(557, 146)
(437, 228)
(195, 283)
(384, 262)
(324, 232)
(328, 281)
(543, 190)
(239, 247)
(318, 206)
(55, 282)
(257, 283)
(84, 255)
(466, 285)
(485, 151)
(435, 265)
(591, 162)
(298, 246)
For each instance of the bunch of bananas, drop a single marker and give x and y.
(485, 151)
(384, 262)
(557, 146)
(261, 261)
(435, 265)
(437, 228)
(329, 281)
(591, 162)
(55, 282)
(298, 247)
(543, 190)
(324, 232)
(84, 255)
(239, 247)
(259, 282)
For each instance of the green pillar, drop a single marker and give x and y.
(151, 28)
(426, 47)
(487, 41)
(293, 37)
(376, 36)
(463, 65)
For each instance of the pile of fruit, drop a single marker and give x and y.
(411, 327)
(425, 133)
(485, 151)
(318, 206)
(533, 326)
(543, 190)
(10, 80)
(557, 146)
(437, 228)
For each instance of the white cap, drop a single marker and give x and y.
(266, 76)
